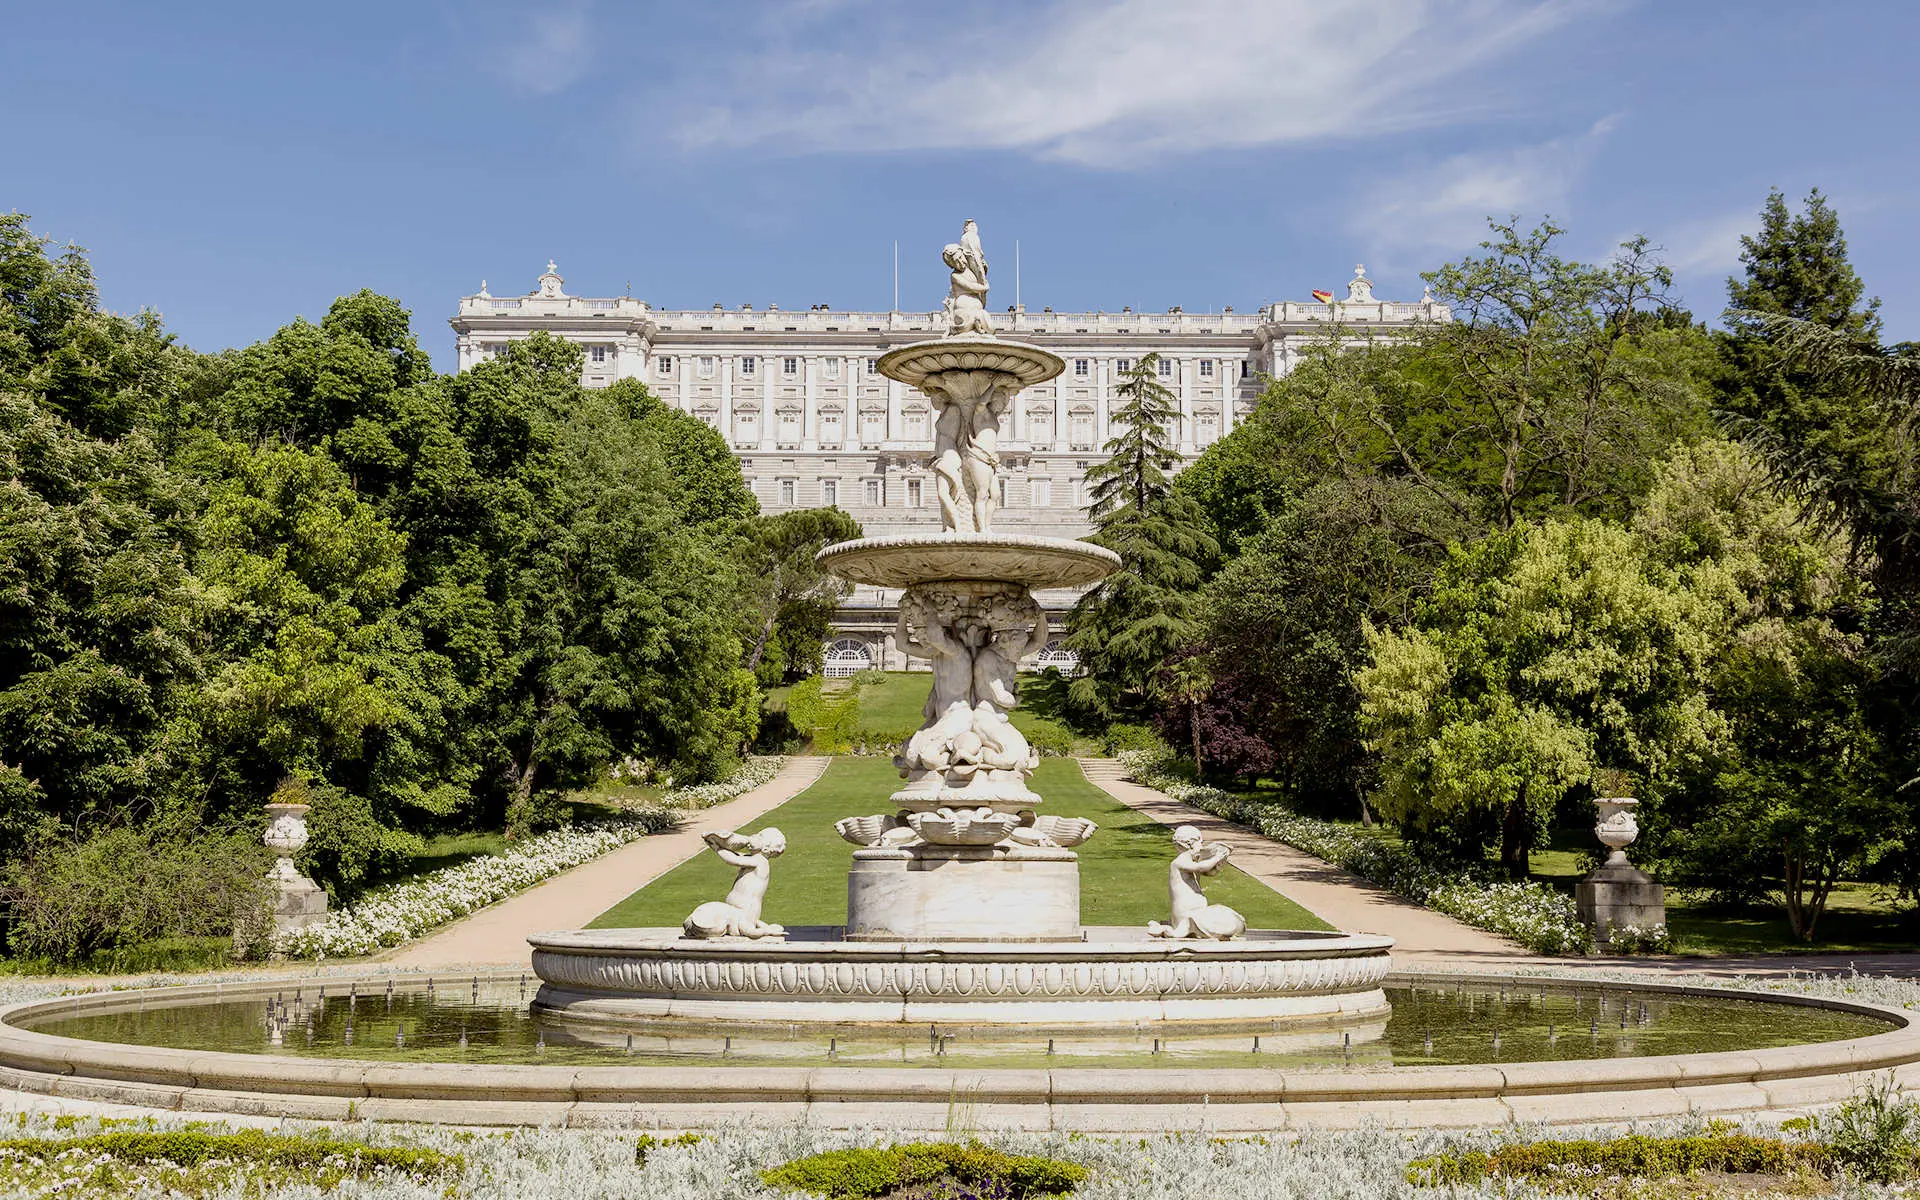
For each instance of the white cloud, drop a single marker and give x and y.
(1444, 207)
(548, 53)
(1111, 84)
(1711, 244)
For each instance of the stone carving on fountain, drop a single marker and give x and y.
(1192, 916)
(738, 916)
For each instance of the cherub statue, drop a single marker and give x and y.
(1192, 916)
(738, 916)
(926, 630)
(966, 304)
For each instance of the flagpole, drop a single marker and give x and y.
(896, 275)
(1016, 273)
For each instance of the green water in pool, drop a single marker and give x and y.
(488, 1021)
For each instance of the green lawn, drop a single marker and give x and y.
(1123, 869)
(893, 703)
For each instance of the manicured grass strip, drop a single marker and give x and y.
(1123, 869)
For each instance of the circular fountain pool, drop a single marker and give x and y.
(473, 1050)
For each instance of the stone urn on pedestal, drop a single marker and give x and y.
(1619, 893)
(298, 901)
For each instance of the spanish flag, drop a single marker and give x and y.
(1323, 297)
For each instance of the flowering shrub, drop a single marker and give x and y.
(392, 915)
(1639, 939)
(1532, 914)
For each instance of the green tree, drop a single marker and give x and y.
(1796, 797)
(1286, 623)
(100, 625)
(793, 599)
(1135, 620)
(1545, 652)
(106, 374)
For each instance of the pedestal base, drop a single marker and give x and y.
(301, 903)
(969, 893)
(1617, 894)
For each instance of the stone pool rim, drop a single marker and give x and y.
(1085, 1099)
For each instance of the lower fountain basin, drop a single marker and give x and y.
(1472, 1051)
(613, 975)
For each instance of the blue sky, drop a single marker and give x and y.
(235, 165)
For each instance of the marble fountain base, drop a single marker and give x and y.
(819, 976)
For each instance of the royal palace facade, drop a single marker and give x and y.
(797, 395)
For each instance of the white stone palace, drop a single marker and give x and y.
(799, 397)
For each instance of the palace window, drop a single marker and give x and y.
(789, 427)
(1081, 367)
(830, 428)
(1166, 368)
(664, 364)
(913, 493)
(916, 425)
(829, 492)
(1123, 365)
(788, 488)
(1206, 368)
(1209, 428)
(1042, 493)
(1040, 426)
(706, 366)
(875, 493)
(1246, 369)
(748, 365)
(873, 427)
(833, 368)
(789, 366)
(1082, 431)
(746, 428)
(598, 354)
(873, 366)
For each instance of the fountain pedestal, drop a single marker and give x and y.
(964, 893)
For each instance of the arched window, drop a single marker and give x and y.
(846, 656)
(1057, 655)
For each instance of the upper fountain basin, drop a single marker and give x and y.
(908, 559)
(1029, 364)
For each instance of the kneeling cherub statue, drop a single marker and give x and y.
(1192, 916)
(738, 916)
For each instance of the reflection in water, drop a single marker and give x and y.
(483, 1021)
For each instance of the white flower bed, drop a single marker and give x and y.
(1532, 914)
(752, 773)
(393, 915)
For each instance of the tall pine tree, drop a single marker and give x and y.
(1126, 629)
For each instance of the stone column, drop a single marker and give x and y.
(1619, 893)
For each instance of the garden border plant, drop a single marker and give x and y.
(1538, 917)
(389, 916)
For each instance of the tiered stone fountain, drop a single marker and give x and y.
(963, 902)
